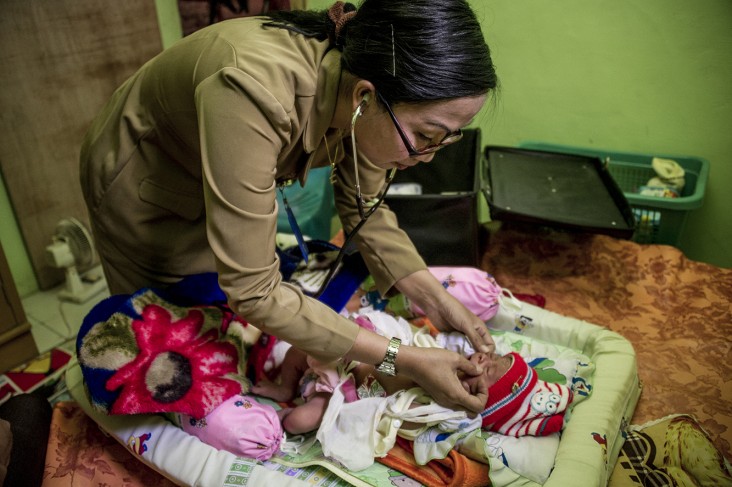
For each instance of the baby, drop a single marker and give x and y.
(518, 402)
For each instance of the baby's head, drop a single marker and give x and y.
(494, 366)
(519, 403)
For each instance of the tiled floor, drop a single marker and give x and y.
(55, 322)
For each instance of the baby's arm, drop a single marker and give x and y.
(293, 367)
(306, 417)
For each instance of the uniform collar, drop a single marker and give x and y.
(326, 95)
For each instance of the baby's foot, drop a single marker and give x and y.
(273, 391)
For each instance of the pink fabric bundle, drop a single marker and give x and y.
(239, 425)
(474, 288)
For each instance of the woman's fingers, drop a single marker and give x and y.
(459, 318)
(445, 383)
(477, 396)
(454, 394)
(480, 337)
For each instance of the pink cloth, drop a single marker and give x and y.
(322, 377)
(239, 425)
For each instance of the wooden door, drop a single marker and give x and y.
(16, 342)
(61, 60)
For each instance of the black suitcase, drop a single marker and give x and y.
(443, 220)
(553, 189)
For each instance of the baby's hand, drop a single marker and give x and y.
(273, 391)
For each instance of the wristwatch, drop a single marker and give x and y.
(388, 365)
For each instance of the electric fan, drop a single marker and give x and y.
(72, 249)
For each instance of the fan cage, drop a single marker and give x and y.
(73, 232)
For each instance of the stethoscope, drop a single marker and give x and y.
(365, 208)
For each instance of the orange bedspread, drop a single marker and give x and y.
(677, 313)
(79, 454)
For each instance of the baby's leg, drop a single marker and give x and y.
(307, 417)
(293, 367)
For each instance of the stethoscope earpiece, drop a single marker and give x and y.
(362, 105)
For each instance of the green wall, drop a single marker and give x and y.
(651, 77)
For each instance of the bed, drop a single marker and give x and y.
(649, 318)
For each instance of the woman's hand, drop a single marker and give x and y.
(444, 311)
(442, 373)
(452, 315)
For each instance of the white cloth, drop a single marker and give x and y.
(357, 432)
(389, 326)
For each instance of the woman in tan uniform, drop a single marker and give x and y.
(181, 167)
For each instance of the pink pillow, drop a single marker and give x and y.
(239, 425)
(475, 288)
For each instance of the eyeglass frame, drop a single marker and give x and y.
(450, 138)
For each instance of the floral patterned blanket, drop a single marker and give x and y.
(181, 350)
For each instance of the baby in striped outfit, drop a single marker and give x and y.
(519, 403)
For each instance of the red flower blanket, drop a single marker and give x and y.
(180, 350)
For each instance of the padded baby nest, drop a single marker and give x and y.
(592, 438)
(588, 449)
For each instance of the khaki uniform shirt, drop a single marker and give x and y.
(181, 167)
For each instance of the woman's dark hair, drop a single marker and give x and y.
(411, 50)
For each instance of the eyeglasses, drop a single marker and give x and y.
(447, 140)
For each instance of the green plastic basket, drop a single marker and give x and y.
(658, 219)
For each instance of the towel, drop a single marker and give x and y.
(455, 470)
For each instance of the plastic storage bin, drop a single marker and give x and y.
(658, 220)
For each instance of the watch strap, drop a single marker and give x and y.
(388, 365)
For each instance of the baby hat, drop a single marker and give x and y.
(520, 404)
(239, 425)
